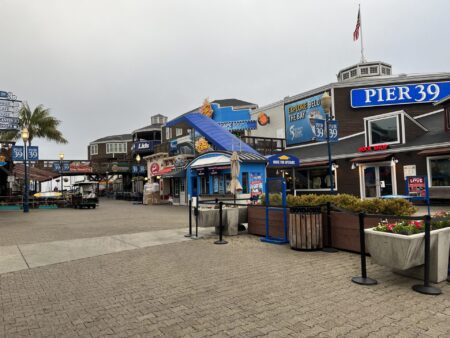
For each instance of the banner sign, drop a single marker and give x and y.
(299, 117)
(283, 161)
(320, 130)
(401, 94)
(416, 186)
(80, 167)
(238, 125)
(138, 169)
(56, 166)
(17, 153)
(256, 184)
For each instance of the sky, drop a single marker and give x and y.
(104, 67)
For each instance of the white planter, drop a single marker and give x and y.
(405, 254)
(230, 222)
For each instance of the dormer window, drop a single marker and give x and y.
(384, 130)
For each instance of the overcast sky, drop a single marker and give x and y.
(105, 66)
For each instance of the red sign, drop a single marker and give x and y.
(78, 167)
(154, 168)
(416, 186)
(373, 148)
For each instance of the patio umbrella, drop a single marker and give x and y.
(235, 185)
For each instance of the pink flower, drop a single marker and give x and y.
(418, 224)
(390, 226)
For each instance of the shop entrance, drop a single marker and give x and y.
(182, 191)
(377, 180)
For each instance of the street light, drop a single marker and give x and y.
(326, 105)
(138, 159)
(61, 158)
(25, 137)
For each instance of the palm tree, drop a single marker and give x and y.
(40, 124)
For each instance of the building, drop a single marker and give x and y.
(389, 127)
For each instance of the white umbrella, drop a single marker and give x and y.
(235, 185)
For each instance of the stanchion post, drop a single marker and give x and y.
(329, 247)
(220, 241)
(363, 280)
(190, 219)
(426, 288)
(196, 217)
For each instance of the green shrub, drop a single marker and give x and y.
(348, 202)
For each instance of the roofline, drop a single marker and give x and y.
(368, 63)
(107, 141)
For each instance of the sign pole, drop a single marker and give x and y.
(25, 197)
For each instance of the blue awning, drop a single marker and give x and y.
(216, 135)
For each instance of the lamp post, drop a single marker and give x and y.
(61, 158)
(25, 137)
(138, 159)
(107, 184)
(326, 105)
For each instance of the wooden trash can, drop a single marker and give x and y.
(305, 228)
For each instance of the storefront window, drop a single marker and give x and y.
(440, 171)
(384, 131)
(204, 185)
(314, 179)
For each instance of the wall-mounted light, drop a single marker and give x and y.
(335, 166)
(393, 161)
(354, 165)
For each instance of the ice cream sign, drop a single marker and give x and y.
(401, 94)
(283, 161)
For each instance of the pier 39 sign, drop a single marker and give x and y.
(402, 94)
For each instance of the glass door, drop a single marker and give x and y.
(378, 180)
(370, 182)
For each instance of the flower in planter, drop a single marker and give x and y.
(416, 226)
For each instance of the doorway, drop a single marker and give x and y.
(377, 180)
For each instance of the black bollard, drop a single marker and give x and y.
(329, 248)
(363, 280)
(426, 288)
(196, 212)
(190, 220)
(220, 241)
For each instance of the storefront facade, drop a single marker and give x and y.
(389, 127)
(209, 175)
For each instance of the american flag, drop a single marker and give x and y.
(358, 25)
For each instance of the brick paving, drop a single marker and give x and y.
(111, 218)
(198, 289)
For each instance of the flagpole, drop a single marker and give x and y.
(363, 59)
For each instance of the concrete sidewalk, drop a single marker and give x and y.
(24, 256)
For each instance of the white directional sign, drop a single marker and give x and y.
(9, 109)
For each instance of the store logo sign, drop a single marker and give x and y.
(394, 95)
(373, 148)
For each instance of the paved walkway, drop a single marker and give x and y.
(23, 256)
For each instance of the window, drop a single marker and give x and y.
(204, 185)
(178, 132)
(364, 71)
(314, 179)
(439, 171)
(388, 71)
(245, 183)
(383, 70)
(373, 70)
(116, 148)
(168, 133)
(384, 131)
(353, 73)
(93, 149)
(346, 76)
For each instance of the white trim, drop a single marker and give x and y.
(95, 146)
(119, 151)
(415, 122)
(428, 114)
(377, 166)
(429, 169)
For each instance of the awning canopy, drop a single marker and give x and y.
(34, 174)
(435, 151)
(175, 174)
(373, 158)
(218, 160)
(313, 164)
(164, 170)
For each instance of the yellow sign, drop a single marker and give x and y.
(283, 157)
(206, 109)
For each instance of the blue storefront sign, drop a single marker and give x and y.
(299, 119)
(239, 125)
(17, 153)
(401, 94)
(283, 160)
(320, 130)
(57, 167)
(143, 146)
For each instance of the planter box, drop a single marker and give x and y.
(305, 231)
(257, 221)
(345, 230)
(230, 222)
(405, 254)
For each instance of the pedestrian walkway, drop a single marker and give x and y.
(24, 256)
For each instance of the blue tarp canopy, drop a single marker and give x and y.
(216, 135)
